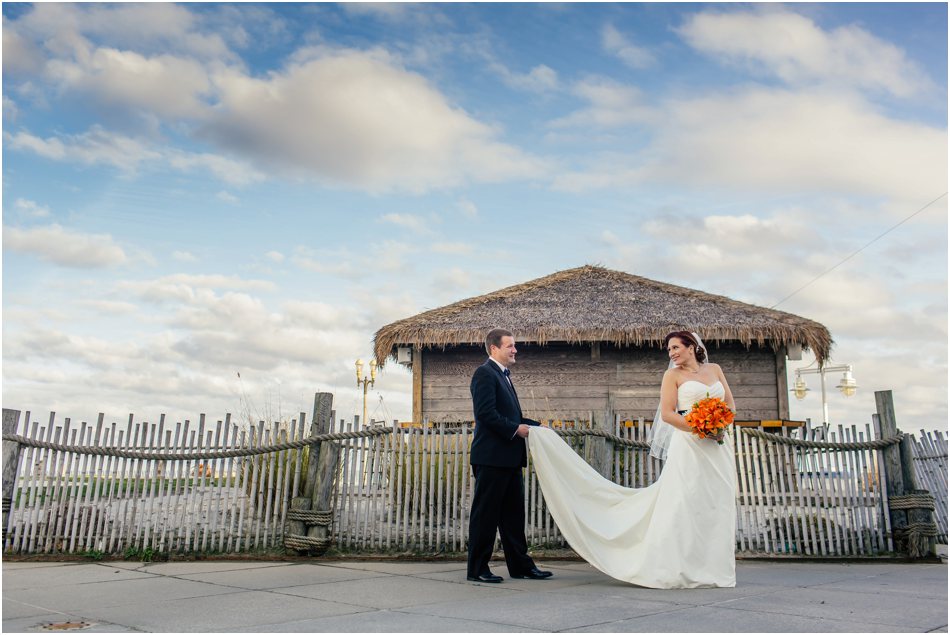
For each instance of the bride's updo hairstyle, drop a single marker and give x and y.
(688, 340)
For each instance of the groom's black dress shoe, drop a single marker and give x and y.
(534, 574)
(485, 577)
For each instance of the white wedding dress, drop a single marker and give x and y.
(678, 533)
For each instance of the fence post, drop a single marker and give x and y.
(893, 470)
(324, 465)
(910, 509)
(308, 526)
(599, 453)
(11, 459)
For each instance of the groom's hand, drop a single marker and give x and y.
(523, 430)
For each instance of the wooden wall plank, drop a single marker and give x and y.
(560, 380)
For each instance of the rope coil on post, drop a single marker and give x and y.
(315, 545)
(306, 543)
(309, 517)
(911, 501)
(914, 534)
(916, 529)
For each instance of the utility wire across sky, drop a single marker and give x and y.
(855, 253)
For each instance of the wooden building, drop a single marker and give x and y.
(591, 339)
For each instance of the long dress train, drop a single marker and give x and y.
(678, 532)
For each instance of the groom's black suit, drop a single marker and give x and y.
(498, 456)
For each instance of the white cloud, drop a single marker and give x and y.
(128, 154)
(729, 247)
(391, 256)
(358, 118)
(451, 282)
(10, 110)
(184, 256)
(320, 315)
(798, 51)
(63, 28)
(193, 366)
(539, 79)
(785, 140)
(782, 141)
(336, 263)
(610, 239)
(165, 85)
(190, 288)
(412, 222)
(385, 304)
(97, 146)
(111, 307)
(629, 53)
(452, 248)
(65, 247)
(228, 170)
(468, 208)
(342, 117)
(612, 104)
(275, 256)
(396, 12)
(31, 209)
(235, 328)
(761, 259)
(20, 55)
(227, 197)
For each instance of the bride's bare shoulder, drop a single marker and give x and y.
(715, 368)
(672, 376)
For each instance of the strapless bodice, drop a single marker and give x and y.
(691, 391)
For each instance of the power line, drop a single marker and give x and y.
(852, 255)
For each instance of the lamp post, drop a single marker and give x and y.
(848, 386)
(365, 382)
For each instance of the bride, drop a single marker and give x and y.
(677, 533)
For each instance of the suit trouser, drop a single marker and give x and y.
(498, 503)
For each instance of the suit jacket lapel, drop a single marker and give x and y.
(510, 386)
(506, 383)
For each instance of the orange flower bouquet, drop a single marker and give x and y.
(709, 418)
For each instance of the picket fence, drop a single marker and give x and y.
(408, 489)
(411, 491)
(66, 502)
(930, 464)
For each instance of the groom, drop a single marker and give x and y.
(498, 455)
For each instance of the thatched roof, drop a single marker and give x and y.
(594, 304)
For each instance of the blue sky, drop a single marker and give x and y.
(193, 192)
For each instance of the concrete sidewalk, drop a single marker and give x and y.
(355, 596)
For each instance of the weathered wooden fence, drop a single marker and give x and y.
(801, 491)
(411, 491)
(930, 461)
(64, 501)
